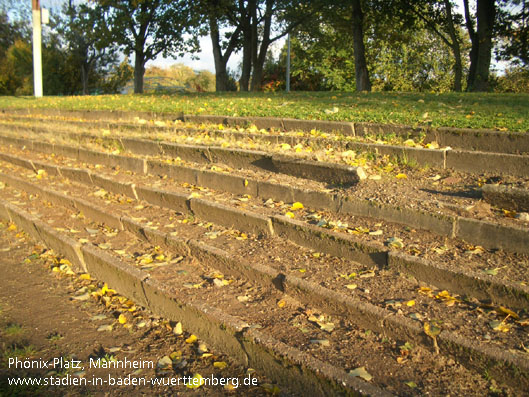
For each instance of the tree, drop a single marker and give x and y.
(148, 28)
(361, 73)
(89, 50)
(221, 15)
(515, 34)
(481, 38)
(439, 18)
(269, 21)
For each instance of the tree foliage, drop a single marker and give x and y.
(69, 43)
(148, 28)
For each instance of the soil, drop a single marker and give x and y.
(42, 319)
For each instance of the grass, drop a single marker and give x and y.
(18, 351)
(504, 112)
(13, 330)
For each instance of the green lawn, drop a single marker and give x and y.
(505, 112)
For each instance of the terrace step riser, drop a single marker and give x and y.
(486, 234)
(462, 138)
(309, 236)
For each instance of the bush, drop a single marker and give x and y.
(514, 80)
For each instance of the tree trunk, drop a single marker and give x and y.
(84, 78)
(221, 74)
(247, 34)
(361, 72)
(139, 70)
(486, 14)
(481, 51)
(456, 48)
(258, 58)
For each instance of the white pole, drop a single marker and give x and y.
(37, 49)
(288, 63)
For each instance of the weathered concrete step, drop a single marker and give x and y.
(462, 281)
(487, 234)
(366, 315)
(478, 162)
(507, 197)
(319, 171)
(251, 347)
(463, 138)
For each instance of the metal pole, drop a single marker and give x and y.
(37, 49)
(288, 63)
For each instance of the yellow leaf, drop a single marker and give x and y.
(178, 329)
(192, 339)
(12, 227)
(431, 330)
(281, 303)
(220, 364)
(508, 312)
(426, 291)
(41, 174)
(401, 176)
(245, 182)
(297, 206)
(290, 215)
(195, 382)
(410, 303)
(84, 276)
(122, 319)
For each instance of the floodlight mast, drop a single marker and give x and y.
(37, 49)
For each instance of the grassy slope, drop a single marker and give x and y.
(496, 111)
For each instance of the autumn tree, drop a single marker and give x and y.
(89, 49)
(148, 28)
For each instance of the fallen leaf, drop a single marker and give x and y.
(195, 382)
(103, 328)
(165, 362)
(395, 242)
(177, 330)
(508, 312)
(297, 206)
(191, 339)
(220, 364)
(83, 297)
(499, 326)
(431, 330)
(361, 373)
